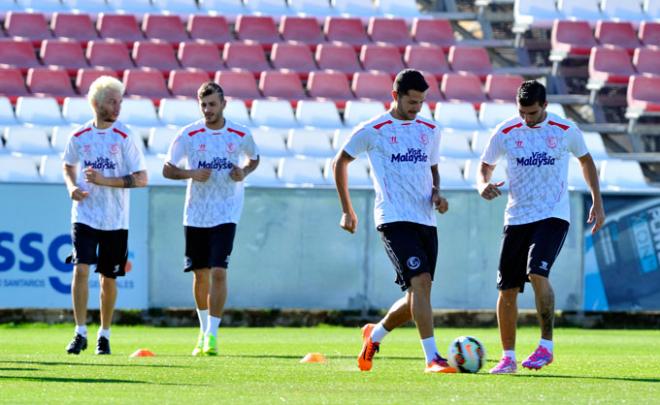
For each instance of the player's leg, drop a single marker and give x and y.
(201, 286)
(108, 299)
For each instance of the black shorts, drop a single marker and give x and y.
(107, 249)
(529, 249)
(412, 248)
(208, 247)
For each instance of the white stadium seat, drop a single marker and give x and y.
(360, 111)
(595, 145)
(455, 146)
(18, 169)
(320, 9)
(179, 112)
(358, 173)
(300, 172)
(623, 175)
(7, 116)
(155, 165)
(273, 113)
(264, 176)
(407, 9)
(270, 142)
(534, 13)
(60, 137)
(181, 8)
(493, 114)
(76, 110)
(24, 139)
(230, 9)
(136, 7)
(236, 111)
(160, 139)
(629, 11)
(479, 141)
(272, 8)
(321, 114)
(91, 7)
(456, 116)
(556, 108)
(340, 137)
(139, 112)
(582, 10)
(38, 111)
(363, 9)
(451, 176)
(499, 174)
(50, 169)
(310, 142)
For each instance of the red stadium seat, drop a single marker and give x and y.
(330, 84)
(372, 85)
(434, 31)
(281, 84)
(109, 53)
(18, 53)
(261, 29)
(347, 30)
(186, 82)
(389, 30)
(382, 57)
(572, 38)
(609, 65)
(649, 33)
(463, 86)
(245, 55)
(155, 54)
(78, 27)
(12, 83)
(647, 60)
(85, 77)
(643, 95)
(293, 56)
(427, 57)
(301, 29)
(238, 84)
(145, 83)
(31, 26)
(200, 55)
(338, 56)
(168, 28)
(50, 80)
(63, 52)
(433, 94)
(122, 27)
(210, 28)
(617, 33)
(470, 59)
(501, 87)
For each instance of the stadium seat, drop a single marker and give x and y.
(155, 165)
(27, 139)
(239, 84)
(155, 54)
(652, 9)
(455, 146)
(434, 31)
(450, 175)
(617, 33)
(427, 57)
(338, 56)
(479, 141)
(462, 86)
(178, 112)
(137, 8)
(281, 84)
(49, 80)
(499, 174)
(595, 145)
(50, 169)
(78, 27)
(263, 176)
(236, 110)
(556, 108)
(630, 11)
(571, 39)
(609, 65)
(330, 84)
(318, 9)
(212, 28)
(93, 8)
(7, 116)
(372, 86)
(293, 56)
(181, 8)
(18, 169)
(493, 114)
(160, 139)
(301, 29)
(18, 53)
(581, 10)
(358, 173)
(64, 53)
(273, 113)
(357, 111)
(502, 87)
(145, 83)
(348, 30)
(111, 54)
(643, 96)
(341, 136)
(229, 9)
(200, 55)
(273, 8)
(389, 30)
(310, 142)
(7, 6)
(270, 142)
(318, 114)
(30, 26)
(76, 110)
(245, 55)
(534, 13)
(261, 29)
(186, 82)
(168, 28)
(457, 116)
(38, 111)
(649, 33)
(381, 57)
(433, 94)
(85, 77)
(60, 137)
(647, 60)
(12, 83)
(363, 9)
(139, 112)
(300, 172)
(407, 9)
(470, 59)
(124, 28)
(623, 175)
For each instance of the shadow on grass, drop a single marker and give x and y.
(19, 369)
(67, 363)
(583, 377)
(300, 356)
(92, 381)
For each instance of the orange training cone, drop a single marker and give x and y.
(143, 353)
(313, 358)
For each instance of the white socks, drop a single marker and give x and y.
(379, 332)
(430, 349)
(81, 330)
(203, 315)
(212, 328)
(510, 354)
(547, 344)
(105, 333)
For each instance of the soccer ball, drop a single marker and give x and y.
(467, 354)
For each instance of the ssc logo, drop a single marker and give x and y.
(413, 263)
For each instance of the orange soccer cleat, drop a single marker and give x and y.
(369, 348)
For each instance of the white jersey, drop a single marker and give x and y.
(401, 154)
(537, 166)
(114, 153)
(219, 200)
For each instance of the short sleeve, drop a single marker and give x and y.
(576, 143)
(435, 147)
(70, 156)
(176, 153)
(358, 142)
(493, 150)
(250, 147)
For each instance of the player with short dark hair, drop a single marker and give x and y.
(403, 152)
(537, 146)
(101, 161)
(217, 155)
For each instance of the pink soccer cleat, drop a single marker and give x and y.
(541, 357)
(505, 366)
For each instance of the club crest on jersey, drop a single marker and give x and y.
(114, 148)
(216, 164)
(413, 155)
(537, 159)
(101, 163)
(202, 147)
(424, 139)
(551, 141)
(87, 149)
(231, 148)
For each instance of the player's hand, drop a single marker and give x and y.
(201, 175)
(491, 190)
(348, 222)
(439, 203)
(78, 195)
(596, 217)
(237, 174)
(92, 176)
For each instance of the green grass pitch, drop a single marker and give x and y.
(261, 365)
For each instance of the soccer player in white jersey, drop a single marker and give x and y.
(101, 161)
(537, 146)
(215, 155)
(403, 153)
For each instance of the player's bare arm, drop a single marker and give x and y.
(172, 172)
(240, 173)
(439, 202)
(75, 192)
(590, 173)
(133, 180)
(488, 190)
(349, 219)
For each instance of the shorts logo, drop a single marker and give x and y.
(187, 263)
(544, 265)
(116, 269)
(413, 262)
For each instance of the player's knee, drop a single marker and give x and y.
(218, 275)
(421, 282)
(81, 271)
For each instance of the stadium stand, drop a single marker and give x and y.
(111, 54)
(389, 30)
(358, 111)
(160, 138)
(168, 28)
(212, 28)
(502, 87)
(372, 85)
(31, 26)
(271, 143)
(338, 56)
(463, 86)
(318, 113)
(239, 84)
(186, 82)
(76, 110)
(458, 115)
(78, 27)
(630, 11)
(18, 169)
(122, 27)
(319, 9)
(358, 173)
(301, 29)
(18, 52)
(492, 114)
(310, 142)
(273, 113)
(51, 80)
(452, 177)
(145, 83)
(200, 55)
(12, 83)
(363, 9)
(237, 111)
(245, 55)
(647, 60)
(91, 7)
(293, 56)
(649, 33)
(617, 33)
(348, 30)
(261, 29)
(581, 10)
(300, 172)
(50, 169)
(455, 146)
(85, 77)
(330, 84)
(139, 112)
(64, 53)
(27, 140)
(155, 171)
(433, 31)
(470, 59)
(274, 8)
(7, 116)
(60, 137)
(155, 54)
(229, 9)
(427, 57)
(178, 112)
(281, 84)
(381, 57)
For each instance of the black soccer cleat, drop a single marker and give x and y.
(78, 344)
(102, 345)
